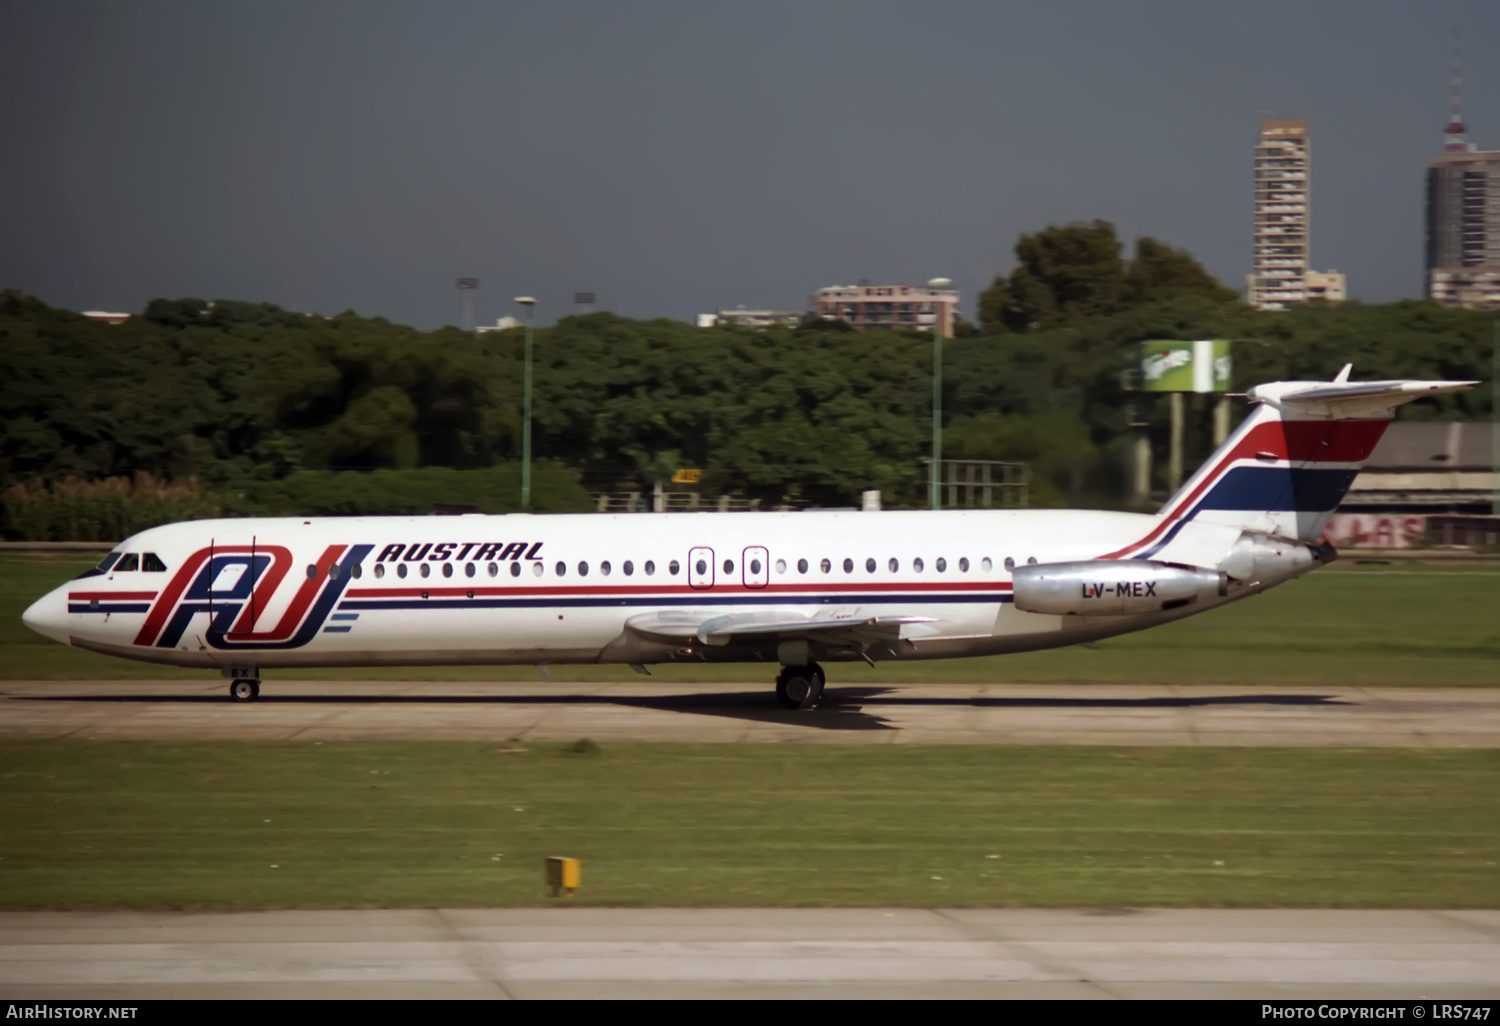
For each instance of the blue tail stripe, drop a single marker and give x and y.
(1280, 490)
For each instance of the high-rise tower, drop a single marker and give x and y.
(1282, 166)
(1463, 215)
(1283, 192)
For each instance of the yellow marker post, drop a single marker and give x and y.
(562, 874)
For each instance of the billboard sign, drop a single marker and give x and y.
(1171, 365)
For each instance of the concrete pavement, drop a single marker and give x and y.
(730, 952)
(651, 711)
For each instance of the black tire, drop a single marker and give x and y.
(798, 688)
(244, 690)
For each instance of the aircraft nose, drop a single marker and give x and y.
(48, 616)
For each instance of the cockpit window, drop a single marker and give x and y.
(130, 561)
(104, 565)
(152, 564)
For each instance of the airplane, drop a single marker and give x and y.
(797, 589)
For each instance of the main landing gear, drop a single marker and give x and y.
(800, 687)
(244, 689)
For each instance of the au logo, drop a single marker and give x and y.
(233, 585)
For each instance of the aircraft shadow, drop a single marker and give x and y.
(842, 709)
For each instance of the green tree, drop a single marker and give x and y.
(1159, 272)
(1064, 274)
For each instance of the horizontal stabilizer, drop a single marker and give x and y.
(1349, 400)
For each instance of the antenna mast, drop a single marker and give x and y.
(1453, 135)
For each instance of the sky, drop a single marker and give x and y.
(677, 156)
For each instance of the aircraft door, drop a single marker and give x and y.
(224, 585)
(701, 567)
(757, 567)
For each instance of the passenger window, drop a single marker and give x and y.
(848, 566)
(562, 568)
(729, 566)
(333, 572)
(1031, 560)
(583, 568)
(628, 567)
(379, 570)
(401, 570)
(537, 569)
(802, 566)
(151, 564)
(963, 564)
(673, 568)
(515, 569)
(940, 564)
(447, 569)
(826, 566)
(131, 561)
(701, 567)
(781, 566)
(312, 572)
(493, 569)
(917, 564)
(358, 571)
(469, 570)
(870, 565)
(986, 565)
(1010, 564)
(895, 565)
(650, 568)
(425, 570)
(755, 566)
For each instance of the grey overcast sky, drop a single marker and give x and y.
(674, 156)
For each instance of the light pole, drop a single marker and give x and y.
(937, 284)
(530, 305)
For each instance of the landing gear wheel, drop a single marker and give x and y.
(799, 687)
(244, 690)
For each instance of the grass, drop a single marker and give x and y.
(1347, 625)
(197, 826)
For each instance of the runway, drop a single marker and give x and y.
(993, 714)
(673, 953)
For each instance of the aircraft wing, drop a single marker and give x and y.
(683, 625)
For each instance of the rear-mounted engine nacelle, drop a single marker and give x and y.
(1117, 587)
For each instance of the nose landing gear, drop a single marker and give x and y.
(800, 687)
(244, 689)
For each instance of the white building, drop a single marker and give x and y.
(753, 318)
(889, 306)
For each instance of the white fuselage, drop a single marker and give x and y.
(475, 589)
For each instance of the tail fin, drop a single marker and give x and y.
(1290, 463)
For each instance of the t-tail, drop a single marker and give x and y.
(1290, 463)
